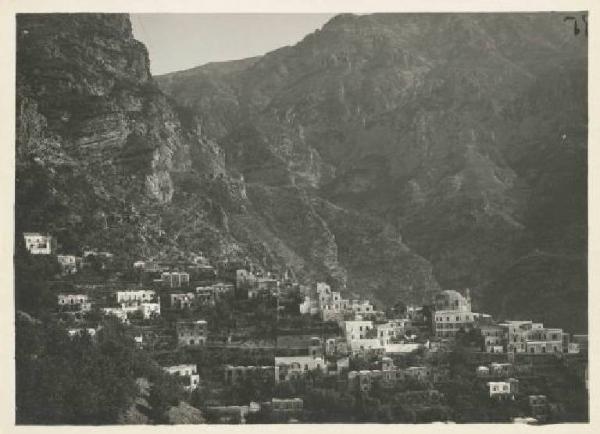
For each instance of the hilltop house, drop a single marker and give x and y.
(39, 244)
(452, 313)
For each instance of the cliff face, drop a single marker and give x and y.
(106, 160)
(383, 152)
(100, 149)
(464, 133)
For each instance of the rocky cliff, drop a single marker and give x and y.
(465, 133)
(384, 153)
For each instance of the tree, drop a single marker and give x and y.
(165, 392)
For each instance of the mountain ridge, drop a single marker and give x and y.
(390, 155)
(436, 123)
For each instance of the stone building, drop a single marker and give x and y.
(494, 337)
(452, 313)
(287, 367)
(503, 389)
(175, 279)
(74, 303)
(191, 332)
(68, 263)
(182, 300)
(187, 373)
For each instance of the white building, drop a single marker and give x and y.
(287, 367)
(504, 389)
(192, 333)
(530, 337)
(188, 374)
(74, 302)
(405, 348)
(175, 279)
(182, 300)
(150, 309)
(391, 331)
(68, 263)
(72, 332)
(356, 330)
(544, 340)
(494, 337)
(452, 313)
(38, 244)
(361, 307)
(135, 296)
(309, 306)
(119, 312)
(365, 344)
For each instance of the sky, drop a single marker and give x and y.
(183, 41)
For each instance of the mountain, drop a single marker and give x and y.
(105, 160)
(391, 155)
(464, 133)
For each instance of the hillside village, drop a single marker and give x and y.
(248, 345)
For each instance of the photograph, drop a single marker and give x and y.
(300, 218)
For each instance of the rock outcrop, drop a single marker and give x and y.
(388, 154)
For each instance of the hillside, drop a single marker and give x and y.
(464, 133)
(388, 154)
(105, 160)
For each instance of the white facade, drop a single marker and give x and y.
(309, 306)
(390, 331)
(68, 263)
(356, 330)
(362, 345)
(72, 332)
(183, 300)
(38, 244)
(119, 312)
(402, 348)
(448, 322)
(175, 279)
(530, 337)
(150, 309)
(503, 389)
(187, 371)
(132, 297)
(79, 302)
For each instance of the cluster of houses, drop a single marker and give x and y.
(38, 243)
(362, 329)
